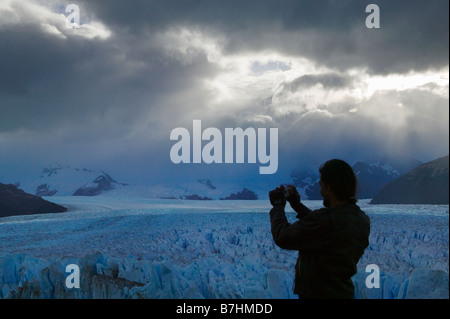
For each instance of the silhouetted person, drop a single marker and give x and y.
(330, 240)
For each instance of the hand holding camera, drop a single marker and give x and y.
(292, 195)
(278, 196)
(281, 194)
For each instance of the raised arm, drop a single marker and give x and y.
(311, 231)
(294, 201)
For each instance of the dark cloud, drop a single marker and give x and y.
(413, 34)
(112, 101)
(51, 82)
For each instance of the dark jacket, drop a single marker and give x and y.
(330, 242)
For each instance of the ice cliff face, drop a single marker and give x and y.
(104, 277)
(107, 277)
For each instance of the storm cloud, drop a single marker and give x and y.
(109, 93)
(329, 32)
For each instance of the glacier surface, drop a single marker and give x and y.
(147, 248)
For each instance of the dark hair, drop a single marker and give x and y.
(339, 176)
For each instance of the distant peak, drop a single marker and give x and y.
(104, 178)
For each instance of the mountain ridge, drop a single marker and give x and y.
(371, 175)
(58, 180)
(15, 201)
(426, 184)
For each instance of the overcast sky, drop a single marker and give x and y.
(107, 95)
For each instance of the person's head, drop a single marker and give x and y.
(337, 183)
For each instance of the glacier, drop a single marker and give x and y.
(150, 248)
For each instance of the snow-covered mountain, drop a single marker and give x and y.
(101, 184)
(63, 180)
(67, 181)
(200, 189)
(307, 182)
(372, 176)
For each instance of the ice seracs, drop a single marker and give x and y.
(204, 249)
